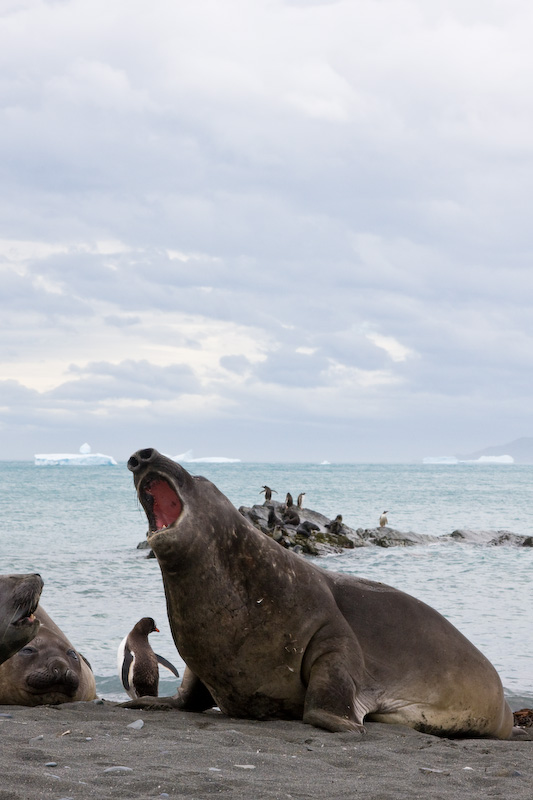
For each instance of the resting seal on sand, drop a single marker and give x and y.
(46, 671)
(19, 595)
(265, 633)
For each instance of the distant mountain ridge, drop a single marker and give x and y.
(520, 449)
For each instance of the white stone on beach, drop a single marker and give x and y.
(118, 769)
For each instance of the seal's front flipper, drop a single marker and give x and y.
(192, 695)
(330, 697)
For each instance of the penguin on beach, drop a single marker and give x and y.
(138, 664)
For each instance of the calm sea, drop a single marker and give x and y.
(79, 527)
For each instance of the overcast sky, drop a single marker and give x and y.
(274, 230)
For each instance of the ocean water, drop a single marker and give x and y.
(79, 527)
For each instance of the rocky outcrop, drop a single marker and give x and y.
(491, 538)
(302, 529)
(311, 533)
(314, 534)
(389, 537)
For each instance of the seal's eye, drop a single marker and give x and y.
(73, 654)
(27, 651)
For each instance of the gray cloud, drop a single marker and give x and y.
(307, 215)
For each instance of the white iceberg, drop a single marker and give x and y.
(491, 460)
(440, 460)
(83, 458)
(187, 458)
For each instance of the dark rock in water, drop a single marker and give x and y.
(143, 545)
(389, 537)
(490, 538)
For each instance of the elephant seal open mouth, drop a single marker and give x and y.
(266, 634)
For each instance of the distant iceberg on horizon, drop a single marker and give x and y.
(481, 460)
(83, 458)
(187, 458)
(491, 460)
(440, 460)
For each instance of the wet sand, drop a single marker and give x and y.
(87, 750)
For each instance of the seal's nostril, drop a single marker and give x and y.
(141, 457)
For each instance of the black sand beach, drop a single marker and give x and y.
(87, 750)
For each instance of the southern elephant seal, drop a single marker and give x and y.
(266, 634)
(48, 670)
(19, 596)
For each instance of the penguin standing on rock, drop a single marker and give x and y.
(383, 519)
(267, 491)
(138, 664)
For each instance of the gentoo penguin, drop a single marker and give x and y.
(383, 519)
(300, 500)
(138, 664)
(267, 491)
(288, 500)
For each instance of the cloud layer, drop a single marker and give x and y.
(274, 231)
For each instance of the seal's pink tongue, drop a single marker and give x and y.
(167, 505)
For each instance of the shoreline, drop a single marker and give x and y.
(87, 751)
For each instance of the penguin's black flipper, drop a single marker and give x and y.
(168, 665)
(126, 664)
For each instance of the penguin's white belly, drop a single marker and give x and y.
(126, 675)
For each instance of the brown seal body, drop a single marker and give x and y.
(19, 596)
(48, 670)
(266, 634)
